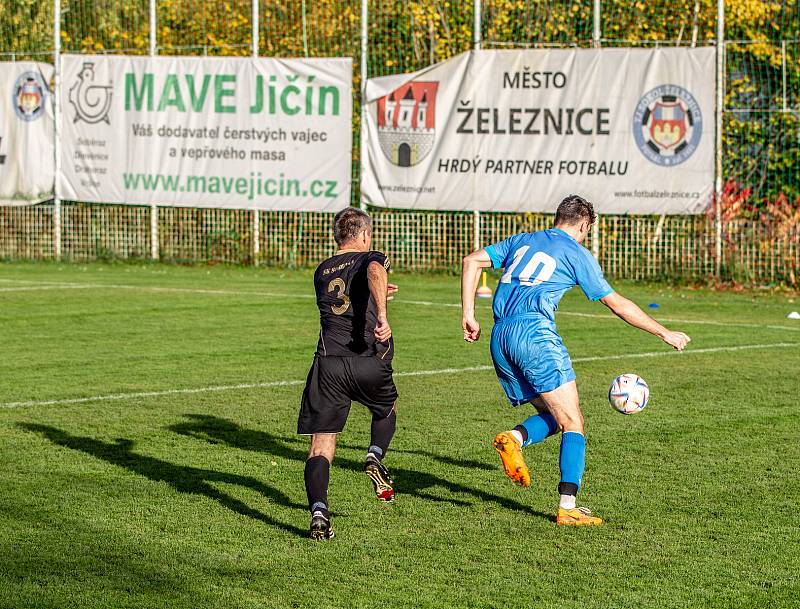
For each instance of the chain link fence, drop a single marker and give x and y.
(758, 204)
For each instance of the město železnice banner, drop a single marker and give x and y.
(630, 129)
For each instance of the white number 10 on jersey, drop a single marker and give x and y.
(547, 263)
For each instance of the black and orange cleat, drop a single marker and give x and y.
(381, 481)
(510, 452)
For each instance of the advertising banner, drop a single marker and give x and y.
(632, 130)
(242, 133)
(27, 153)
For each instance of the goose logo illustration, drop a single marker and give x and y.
(92, 102)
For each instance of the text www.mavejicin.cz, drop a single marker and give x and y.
(251, 187)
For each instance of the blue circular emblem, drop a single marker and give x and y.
(29, 95)
(667, 125)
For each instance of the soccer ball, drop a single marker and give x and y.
(628, 393)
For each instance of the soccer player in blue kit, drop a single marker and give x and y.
(529, 358)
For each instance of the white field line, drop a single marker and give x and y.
(32, 288)
(147, 288)
(609, 317)
(703, 322)
(425, 303)
(289, 383)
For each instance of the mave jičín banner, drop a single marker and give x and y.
(243, 133)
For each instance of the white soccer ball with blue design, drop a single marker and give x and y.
(628, 393)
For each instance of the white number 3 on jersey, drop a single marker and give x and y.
(547, 263)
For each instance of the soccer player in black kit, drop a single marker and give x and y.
(353, 361)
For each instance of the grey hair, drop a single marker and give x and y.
(348, 223)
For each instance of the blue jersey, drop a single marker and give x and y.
(539, 268)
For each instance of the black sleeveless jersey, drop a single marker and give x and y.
(347, 312)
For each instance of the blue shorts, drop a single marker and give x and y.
(527, 361)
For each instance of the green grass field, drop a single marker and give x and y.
(148, 455)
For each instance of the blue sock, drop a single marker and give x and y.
(572, 461)
(539, 427)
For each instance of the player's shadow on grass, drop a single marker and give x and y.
(468, 463)
(191, 480)
(409, 482)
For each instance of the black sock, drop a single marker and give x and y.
(567, 488)
(381, 434)
(523, 432)
(317, 475)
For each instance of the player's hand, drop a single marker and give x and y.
(676, 340)
(472, 329)
(391, 290)
(382, 330)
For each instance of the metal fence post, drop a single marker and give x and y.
(476, 216)
(596, 43)
(57, 128)
(256, 218)
(476, 43)
(596, 29)
(363, 94)
(153, 208)
(305, 28)
(718, 138)
(783, 75)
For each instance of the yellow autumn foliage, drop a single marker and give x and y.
(406, 35)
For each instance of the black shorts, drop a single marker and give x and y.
(333, 382)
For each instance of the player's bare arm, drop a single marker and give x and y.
(378, 281)
(630, 312)
(470, 274)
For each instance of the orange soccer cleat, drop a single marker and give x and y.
(577, 517)
(510, 452)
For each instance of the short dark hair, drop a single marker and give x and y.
(348, 223)
(574, 209)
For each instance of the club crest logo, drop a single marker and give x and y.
(91, 102)
(406, 129)
(29, 96)
(667, 125)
